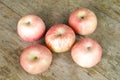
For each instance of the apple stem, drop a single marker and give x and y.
(28, 23)
(35, 58)
(88, 48)
(59, 35)
(82, 17)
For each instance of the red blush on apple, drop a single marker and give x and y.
(36, 59)
(86, 53)
(60, 38)
(31, 28)
(83, 21)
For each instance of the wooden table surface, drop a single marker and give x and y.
(52, 12)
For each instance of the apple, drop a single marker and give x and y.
(60, 38)
(86, 53)
(83, 21)
(30, 28)
(36, 59)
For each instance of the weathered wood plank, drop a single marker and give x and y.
(52, 12)
(110, 7)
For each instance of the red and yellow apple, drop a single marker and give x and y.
(31, 28)
(83, 21)
(36, 59)
(86, 53)
(60, 38)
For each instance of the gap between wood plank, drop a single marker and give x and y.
(105, 14)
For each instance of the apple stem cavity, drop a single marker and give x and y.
(60, 32)
(35, 58)
(59, 35)
(82, 17)
(28, 23)
(88, 48)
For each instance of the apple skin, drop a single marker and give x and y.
(36, 59)
(60, 38)
(86, 53)
(83, 21)
(31, 28)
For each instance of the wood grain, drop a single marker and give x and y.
(53, 12)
